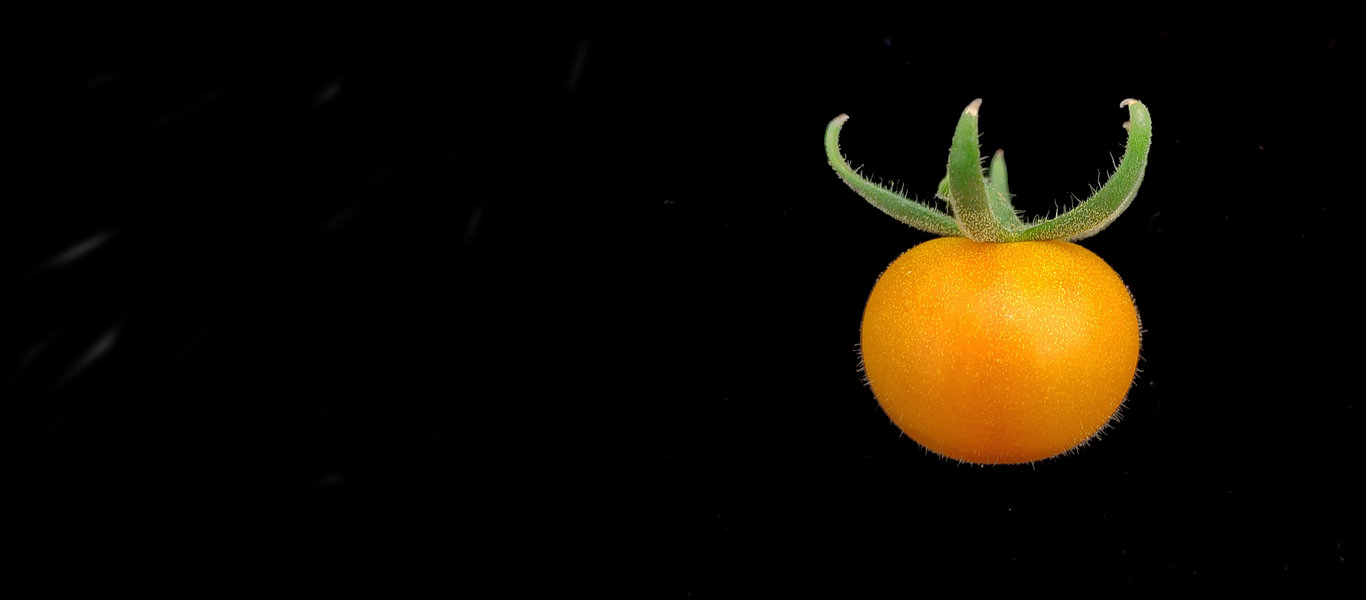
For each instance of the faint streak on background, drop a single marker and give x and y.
(473, 224)
(37, 350)
(168, 119)
(339, 218)
(576, 67)
(102, 346)
(101, 79)
(78, 250)
(329, 93)
(198, 337)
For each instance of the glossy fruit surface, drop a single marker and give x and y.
(1000, 353)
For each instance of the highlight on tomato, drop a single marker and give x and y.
(1001, 342)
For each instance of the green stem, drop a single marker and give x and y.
(999, 189)
(980, 215)
(981, 206)
(997, 175)
(1103, 207)
(901, 208)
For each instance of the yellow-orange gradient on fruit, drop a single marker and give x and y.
(1000, 353)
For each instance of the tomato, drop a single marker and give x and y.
(1000, 353)
(1002, 342)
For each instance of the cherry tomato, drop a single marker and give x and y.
(1000, 353)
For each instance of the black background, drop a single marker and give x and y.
(569, 300)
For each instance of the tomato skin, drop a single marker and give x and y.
(1000, 353)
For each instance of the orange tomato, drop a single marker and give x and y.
(1000, 353)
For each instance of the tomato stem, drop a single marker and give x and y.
(1103, 207)
(901, 208)
(980, 215)
(981, 206)
(998, 184)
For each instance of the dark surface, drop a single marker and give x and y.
(574, 305)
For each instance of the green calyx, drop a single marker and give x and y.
(980, 204)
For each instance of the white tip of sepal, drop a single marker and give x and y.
(1126, 102)
(1125, 125)
(973, 107)
(840, 119)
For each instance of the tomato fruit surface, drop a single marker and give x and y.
(998, 353)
